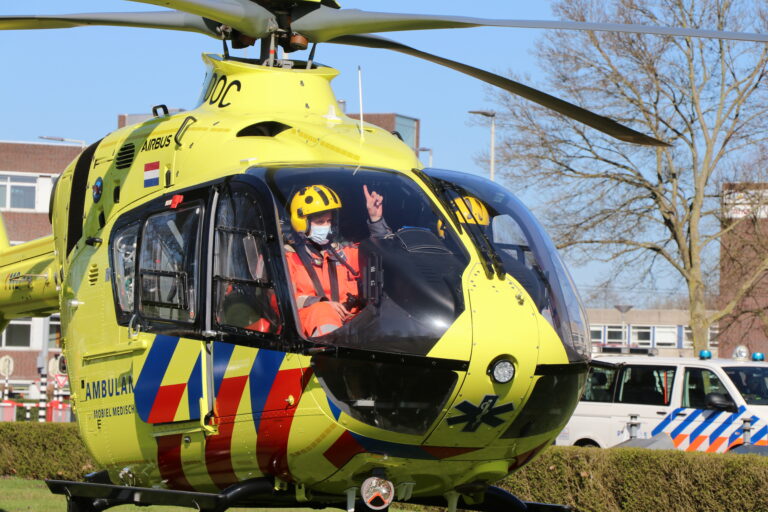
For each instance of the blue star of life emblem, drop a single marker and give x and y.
(475, 415)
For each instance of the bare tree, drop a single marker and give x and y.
(657, 212)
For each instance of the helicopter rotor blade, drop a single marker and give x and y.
(320, 23)
(245, 16)
(168, 20)
(598, 122)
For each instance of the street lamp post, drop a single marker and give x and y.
(492, 115)
(623, 309)
(62, 139)
(430, 155)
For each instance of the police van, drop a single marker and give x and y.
(703, 404)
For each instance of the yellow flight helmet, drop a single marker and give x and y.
(469, 210)
(309, 201)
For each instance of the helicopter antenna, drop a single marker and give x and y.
(311, 55)
(360, 96)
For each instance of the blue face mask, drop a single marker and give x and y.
(319, 234)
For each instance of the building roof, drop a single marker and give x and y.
(36, 157)
(640, 316)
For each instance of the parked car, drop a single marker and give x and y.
(703, 404)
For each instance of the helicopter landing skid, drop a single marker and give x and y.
(96, 497)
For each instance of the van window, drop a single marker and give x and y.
(752, 382)
(644, 384)
(699, 383)
(600, 385)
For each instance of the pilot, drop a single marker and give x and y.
(468, 210)
(471, 211)
(325, 271)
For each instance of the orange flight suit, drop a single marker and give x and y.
(316, 316)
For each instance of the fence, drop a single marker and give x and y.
(56, 411)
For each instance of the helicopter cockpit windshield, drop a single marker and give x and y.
(375, 275)
(513, 242)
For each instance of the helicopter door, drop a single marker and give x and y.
(156, 279)
(251, 363)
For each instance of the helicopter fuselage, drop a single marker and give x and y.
(165, 396)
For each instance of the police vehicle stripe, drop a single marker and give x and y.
(695, 413)
(727, 423)
(760, 434)
(666, 421)
(711, 417)
(735, 436)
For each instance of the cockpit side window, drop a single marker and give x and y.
(168, 273)
(124, 242)
(243, 286)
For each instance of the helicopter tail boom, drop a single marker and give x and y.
(29, 278)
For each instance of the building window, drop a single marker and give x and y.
(18, 334)
(407, 127)
(596, 333)
(687, 337)
(54, 333)
(711, 341)
(17, 192)
(666, 336)
(714, 333)
(615, 334)
(641, 335)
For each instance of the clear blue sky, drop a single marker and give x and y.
(74, 82)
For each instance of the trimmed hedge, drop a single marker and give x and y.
(43, 450)
(637, 480)
(588, 479)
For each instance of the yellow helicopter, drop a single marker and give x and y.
(188, 261)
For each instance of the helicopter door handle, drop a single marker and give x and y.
(134, 327)
(183, 129)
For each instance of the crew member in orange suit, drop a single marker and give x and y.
(324, 271)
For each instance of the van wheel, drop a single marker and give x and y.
(586, 443)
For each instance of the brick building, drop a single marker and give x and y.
(743, 252)
(27, 173)
(407, 127)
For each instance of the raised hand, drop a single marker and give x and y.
(374, 203)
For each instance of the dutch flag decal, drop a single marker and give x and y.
(151, 174)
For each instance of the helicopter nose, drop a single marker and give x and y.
(506, 345)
